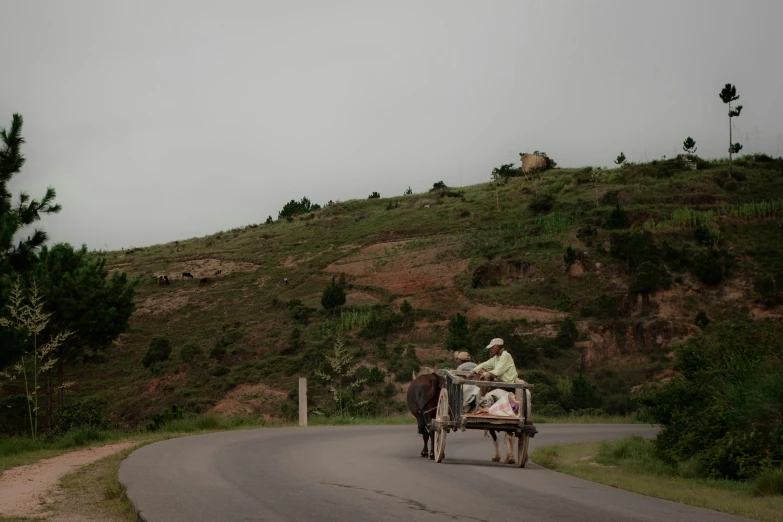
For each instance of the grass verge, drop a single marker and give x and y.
(630, 464)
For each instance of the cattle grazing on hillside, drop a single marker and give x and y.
(218, 272)
(187, 274)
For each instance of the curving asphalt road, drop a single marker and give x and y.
(363, 474)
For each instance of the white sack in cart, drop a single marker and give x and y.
(469, 395)
(504, 406)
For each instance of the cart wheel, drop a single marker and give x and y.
(442, 414)
(522, 441)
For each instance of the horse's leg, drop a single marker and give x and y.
(509, 439)
(496, 457)
(432, 444)
(424, 436)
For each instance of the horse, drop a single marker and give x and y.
(423, 393)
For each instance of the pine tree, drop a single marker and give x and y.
(689, 145)
(26, 212)
(620, 159)
(728, 95)
(333, 295)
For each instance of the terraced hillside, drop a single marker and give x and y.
(651, 246)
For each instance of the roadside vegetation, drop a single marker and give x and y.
(721, 439)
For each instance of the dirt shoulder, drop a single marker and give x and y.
(27, 491)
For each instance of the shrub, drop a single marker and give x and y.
(604, 307)
(583, 393)
(563, 302)
(567, 334)
(158, 352)
(159, 419)
(79, 415)
(217, 352)
(542, 204)
(725, 409)
(438, 185)
(457, 339)
(617, 219)
(294, 208)
(702, 320)
(649, 277)
(220, 370)
(191, 353)
(570, 256)
(707, 266)
(333, 295)
(374, 195)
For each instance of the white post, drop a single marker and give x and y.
(303, 401)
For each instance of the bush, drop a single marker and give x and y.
(457, 339)
(604, 307)
(220, 371)
(80, 414)
(567, 334)
(702, 320)
(617, 219)
(649, 277)
(583, 393)
(542, 204)
(333, 295)
(217, 352)
(563, 302)
(374, 195)
(191, 353)
(294, 208)
(159, 419)
(725, 410)
(707, 266)
(158, 352)
(570, 256)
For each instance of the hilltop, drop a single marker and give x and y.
(590, 271)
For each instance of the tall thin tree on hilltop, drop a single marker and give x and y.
(728, 95)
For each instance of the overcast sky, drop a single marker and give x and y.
(160, 120)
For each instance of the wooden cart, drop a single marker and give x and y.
(449, 414)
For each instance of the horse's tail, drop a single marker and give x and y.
(422, 422)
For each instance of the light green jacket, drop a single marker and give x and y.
(501, 366)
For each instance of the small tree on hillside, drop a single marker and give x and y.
(689, 146)
(457, 340)
(333, 295)
(158, 353)
(339, 376)
(503, 172)
(728, 95)
(620, 160)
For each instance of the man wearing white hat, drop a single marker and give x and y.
(499, 368)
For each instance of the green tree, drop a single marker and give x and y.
(620, 159)
(27, 211)
(374, 195)
(728, 95)
(457, 339)
(333, 295)
(503, 172)
(570, 256)
(618, 219)
(408, 191)
(583, 393)
(339, 377)
(83, 298)
(689, 145)
(158, 353)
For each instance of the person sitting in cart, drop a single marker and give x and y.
(465, 362)
(500, 368)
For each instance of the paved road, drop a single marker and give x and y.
(368, 473)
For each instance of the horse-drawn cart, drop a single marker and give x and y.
(449, 414)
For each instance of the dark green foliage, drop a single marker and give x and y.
(633, 247)
(689, 145)
(295, 341)
(649, 277)
(584, 394)
(191, 353)
(620, 159)
(408, 191)
(79, 414)
(728, 95)
(220, 371)
(503, 172)
(667, 168)
(586, 233)
(705, 236)
(438, 185)
(159, 419)
(768, 288)
(13, 218)
(708, 266)
(567, 334)
(727, 409)
(542, 204)
(269, 220)
(294, 208)
(406, 309)
(617, 219)
(402, 362)
(570, 256)
(158, 353)
(702, 320)
(384, 322)
(217, 352)
(14, 420)
(768, 483)
(524, 350)
(604, 307)
(563, 302)
(457, 340)
(333, 295)
(584, 176)
(374, 195)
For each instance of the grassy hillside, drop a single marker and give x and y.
(492, 252)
